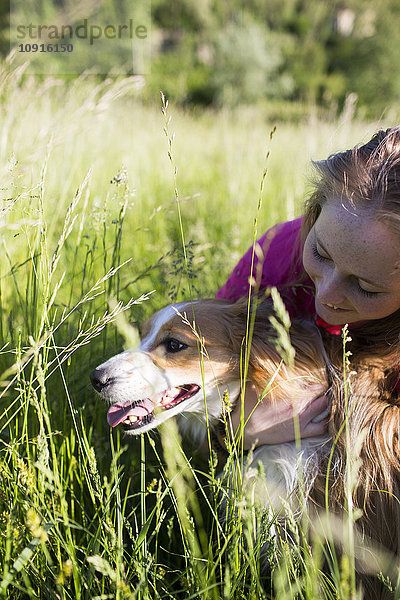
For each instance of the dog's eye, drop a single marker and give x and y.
(173, 345)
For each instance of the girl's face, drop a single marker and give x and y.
(354, 262)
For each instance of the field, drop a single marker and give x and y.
(95, 215)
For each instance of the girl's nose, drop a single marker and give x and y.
(330, 290)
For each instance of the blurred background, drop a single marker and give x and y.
(285, 55)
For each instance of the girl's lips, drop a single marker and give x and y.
(334, 309)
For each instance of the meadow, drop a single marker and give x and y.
(104, 218)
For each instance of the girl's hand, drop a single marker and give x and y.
(272, 422)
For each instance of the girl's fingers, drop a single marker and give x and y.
(314, 429)
(316, 411)
(250, 404)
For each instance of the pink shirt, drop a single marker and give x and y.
(282, 263)
(280, 266)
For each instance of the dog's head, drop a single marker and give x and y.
(190, 355)
(182, 362)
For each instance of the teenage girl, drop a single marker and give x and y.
(339, 263)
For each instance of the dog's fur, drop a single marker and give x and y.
(196, 349)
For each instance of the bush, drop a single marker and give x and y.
(248, 62)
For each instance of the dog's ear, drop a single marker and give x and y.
(265, 358)
(249, 334)
(306, 372)
(235, 318)
(308, 345)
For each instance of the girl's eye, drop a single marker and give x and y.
(366, 292)
(361, 290)
(317, 255)
(173, 345)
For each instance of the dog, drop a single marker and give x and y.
(191, 356)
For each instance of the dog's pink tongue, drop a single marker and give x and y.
(119, 412)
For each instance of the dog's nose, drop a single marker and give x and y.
(99, 378)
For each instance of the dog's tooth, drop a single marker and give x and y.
(169, 395)
(172, 392)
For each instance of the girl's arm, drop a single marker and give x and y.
(273, 423)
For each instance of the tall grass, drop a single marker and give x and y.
(89, 233)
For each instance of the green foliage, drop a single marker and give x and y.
(179, 74)
(247, 63)
(295, 50)
(368, 60)
(183, 15)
